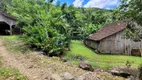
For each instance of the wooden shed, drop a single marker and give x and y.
(7, 23)
(110, 39)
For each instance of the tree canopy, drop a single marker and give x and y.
(131, 9)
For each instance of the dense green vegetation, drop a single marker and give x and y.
(51, 27)
(3, 5)
(131, 10)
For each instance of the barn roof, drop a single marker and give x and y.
(7, 15)
(108, 30)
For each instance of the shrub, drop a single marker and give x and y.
(45, 38)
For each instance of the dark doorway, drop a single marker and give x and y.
(4, 28)
(16, 30)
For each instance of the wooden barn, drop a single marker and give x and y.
(110, 39)
(7, 23)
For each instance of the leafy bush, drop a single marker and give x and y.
(45, 38)
(43, 25)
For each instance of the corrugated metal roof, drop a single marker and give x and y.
(7, 15)
(108, 30)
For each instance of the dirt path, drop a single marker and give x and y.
(26, 69)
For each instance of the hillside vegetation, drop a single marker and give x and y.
(51, 28)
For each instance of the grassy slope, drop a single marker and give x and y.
(101, 61)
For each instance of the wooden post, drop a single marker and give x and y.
(10, 30)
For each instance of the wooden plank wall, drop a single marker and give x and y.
(129, 45)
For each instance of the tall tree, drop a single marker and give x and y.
(131, 9)
(3, 5)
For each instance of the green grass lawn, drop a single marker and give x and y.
(100, 61)
(10, 38)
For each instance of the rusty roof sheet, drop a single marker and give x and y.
(7, 15)
(108, 30)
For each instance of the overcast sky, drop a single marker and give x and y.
(107, 4)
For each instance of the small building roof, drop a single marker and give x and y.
(108, 30)
(7, 15)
